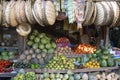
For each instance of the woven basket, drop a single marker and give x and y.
(100, 15)
(28, 12)
(116, 12)
(13, 21)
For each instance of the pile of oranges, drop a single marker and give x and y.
(92, 64)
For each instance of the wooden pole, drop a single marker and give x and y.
(107, 37)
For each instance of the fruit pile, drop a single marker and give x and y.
(63, 50)
(62, 42)
(92, 64)
(41, 41)
(4, 66)
(61, 63)
(35, 56)
(26, 76)
(85, 49)
(103, 56)
(7, 55)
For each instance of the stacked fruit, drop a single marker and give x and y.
(41, 41)
(103, 56)
(85, 49)
(26, 76)
(63, 50)
(62, 42)
(32, 56)
(7, 55)
(92, 64)
(61, 63)
(4, 66)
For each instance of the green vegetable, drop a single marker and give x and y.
(48, 46)
(31, 37)
(110, 62)
(35, 46)
(103, 63)
(41, 46)
(53, 44)
(51, 50)
(37, 40)
(29, 43)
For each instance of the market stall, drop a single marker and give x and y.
(59, 40)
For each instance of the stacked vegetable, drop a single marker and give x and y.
(63, 50)
(26, 65)
(58, 76)
(4, 66)
(85, 49)
(41, 41)
(7, 55)
(32, 56)
(26, 76)
(60, 62)
(103, 56)
(62, 42)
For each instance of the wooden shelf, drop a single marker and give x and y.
(8, 74)
(73, 55)
(75, 71)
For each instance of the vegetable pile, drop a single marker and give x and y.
(32, 56)
(26, 76)
(62, 42)
(4, 66)
(103, 56)
(63, 50)
(85, 49)
(60, 62)
(7, 55)
(41, 41)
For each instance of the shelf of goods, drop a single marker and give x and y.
(8, 74)
(75, 70)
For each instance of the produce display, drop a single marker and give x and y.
(92, 64)
(26, 76)
(61, 62)
(103, 56)
(25, 65)
(41, 41)
(35, 56)
(5, 66)
(63, 50)
(84, 49)
(7, 55)
(62, 42)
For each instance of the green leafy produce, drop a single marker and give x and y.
(30, 43)
(31, 37)
(37, 40)
(104, 63)
(110, 62)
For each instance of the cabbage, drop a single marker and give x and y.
(35, 46)
(4, 53)
(48, 46)
(77, 76)
(29, 43)
(66, 76)
(31, 37)
(58, 75)
(44, 41)
(37, 40)
(52, 76)
(53, 44)
(41, 46)
(46, 75)
(50, 50)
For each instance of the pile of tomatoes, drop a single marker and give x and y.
(4, 66)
